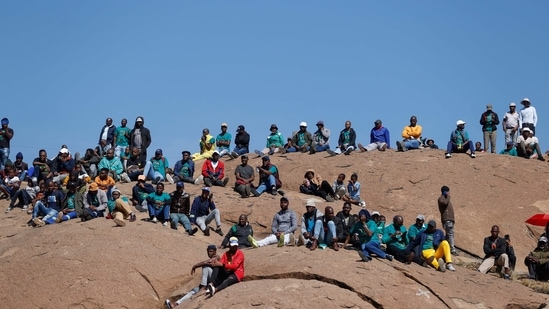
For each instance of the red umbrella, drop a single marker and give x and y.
(538, 220)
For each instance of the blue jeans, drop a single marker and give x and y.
(319, 148)
(4, 155)
(411, 144)
(325, 237)
(94, 213)
(467, 146)
(293, 149)
(41, 209)
(241, 150)
(70, 215)
(161, 214)
(372, 247)
(176, 218)
(118, 150)
(151, 173)
(266, 186)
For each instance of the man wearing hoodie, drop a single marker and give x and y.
(241, 141)
(140, 136)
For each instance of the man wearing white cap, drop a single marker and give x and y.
(511, 124)
(140, 136)
(528, 118)
(459, 141)
(223, 141)
(538, 261)
(528, 146)
(228, 270)
(301, 140)
(489, 121)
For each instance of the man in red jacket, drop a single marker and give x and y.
(229, 270)
(213, 171)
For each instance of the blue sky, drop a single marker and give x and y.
(189, 65)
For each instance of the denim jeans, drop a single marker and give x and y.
(411, 144)
(266, 186)
(162, 214)
(372, 247)
(451, 147)
(293, 149)
(40, 208)
(151, 173)
(325, 237)
(241, 150)
(202, 222)
(320, 148)
(177, 218)
(4, 155)
(449, 228)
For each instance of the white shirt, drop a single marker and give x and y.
(529, 141)
(528, 115)
(511, 120)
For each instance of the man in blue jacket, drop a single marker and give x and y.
(434, 248)
(379, 138)
(203, 212)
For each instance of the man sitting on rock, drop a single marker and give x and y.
(244, 174)
(301, 140)
(379, 138)
(120, 209)
(223, 141)
(268, 177)
(241, 142)
(184, 168)
(314, 185)
(321, 138)
(207, 146)
(346, 141)
(283, 226)
(114, 165)
(494, 250)
(95, 203)
(328, 231)
(243, 232)
(308, 221)
(510, 150)
(528, 146)
(159, 205)
(228, 270)
(213, 171)
(459, 141)
(538, 261)
(347, 220)
(275, 143)
(140, 192)
(180, 209)
(411, 136)
(434, 248)
(396, 239)
(203, 211)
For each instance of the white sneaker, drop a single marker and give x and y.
(165, 223)
(169, 178)
(8, 209)
(125, 178)
(154, 220)
(450, 267)
(441, 265)
(211, 289)
(199, 180)
(473, 155)
(448, 155)
(362, 204)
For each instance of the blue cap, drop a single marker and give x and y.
(5, 121)
(158, 151)
(19, 155)
(206, 189)
(180, 184)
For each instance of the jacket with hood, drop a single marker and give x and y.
(145, 136)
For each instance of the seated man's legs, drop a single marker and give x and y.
(486, 264)
(201, 223)
(503, 260)
(291, 149)
(240, 150)
(206, 275)
(153, 212)
(429, 256)
(400, 255)
(214, 214)
(123, 207)
(373, 248)
(443, 250)
(221, 278)
(411, 144)
(319, 148)
(269, 240)
(542, 272)
(266, 186)
(39, 208)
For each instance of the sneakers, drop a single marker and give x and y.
(441, 265)
(8, 209)
(125, 178)
(193, 231)
(329, 198)
(119, 222)
(300, 241)
(450, 267)
(362, 149)
(156, 180)
(389, 257)
(225, 181)
(211, 289)
(281, 240)
(454, 253)
(252, 242)
(207, 231)
(38, 222)
(473, 155)
(541, 158)
(506, 277)
(314, 245)
(169, 178)
(259, 153)
(362, 204)
(272, 152)
(198, 180)
(154, 220)
(59, 217)
(448, 155)
(132, 217)
(219, 231)
(273, 190)
(383, 148)
(292, 240)
(24, 207)
(165, 223)
(234, 155)
(363, 256)
(168, 304)
(348, 151)
(312, 150)
(400, 146)
(331, 152)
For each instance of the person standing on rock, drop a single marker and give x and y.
(228, 270)
(489, 121)
(447, 217)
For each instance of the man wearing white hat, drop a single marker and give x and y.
(511, 124)
(223, 141)
(301, 140)
(459, 141)
(528, 118)
(528, 146)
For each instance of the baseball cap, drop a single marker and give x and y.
(211, 247)
(158, 151)
(265, 158)
(320, 122)
(141, 177)
(64, 150)
(378, 121)
(510, 143)
(542, 239)
(303, 124)
(489, 106)
(460, 122)
(375, 213)
(138, 119)
(233, 241)
(525, 100)
(512, 104)
(224, 125)
(421, 217)
(284, 199)
(273, 126)
(215, 152)
(432, 223)
(240, 127)
(206, 189)
(526, 130)
(93, 187)
(180, 184)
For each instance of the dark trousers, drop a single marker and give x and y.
(221, 278)
(538, 272)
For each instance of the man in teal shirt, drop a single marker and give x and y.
(459, 141)
(223, 141)
(510, 150)
(121, 138)
(155, 169)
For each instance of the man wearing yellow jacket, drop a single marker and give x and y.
(411, 136)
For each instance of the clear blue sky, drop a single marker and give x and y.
(189, 65)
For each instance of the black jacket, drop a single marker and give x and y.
(240, 232)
